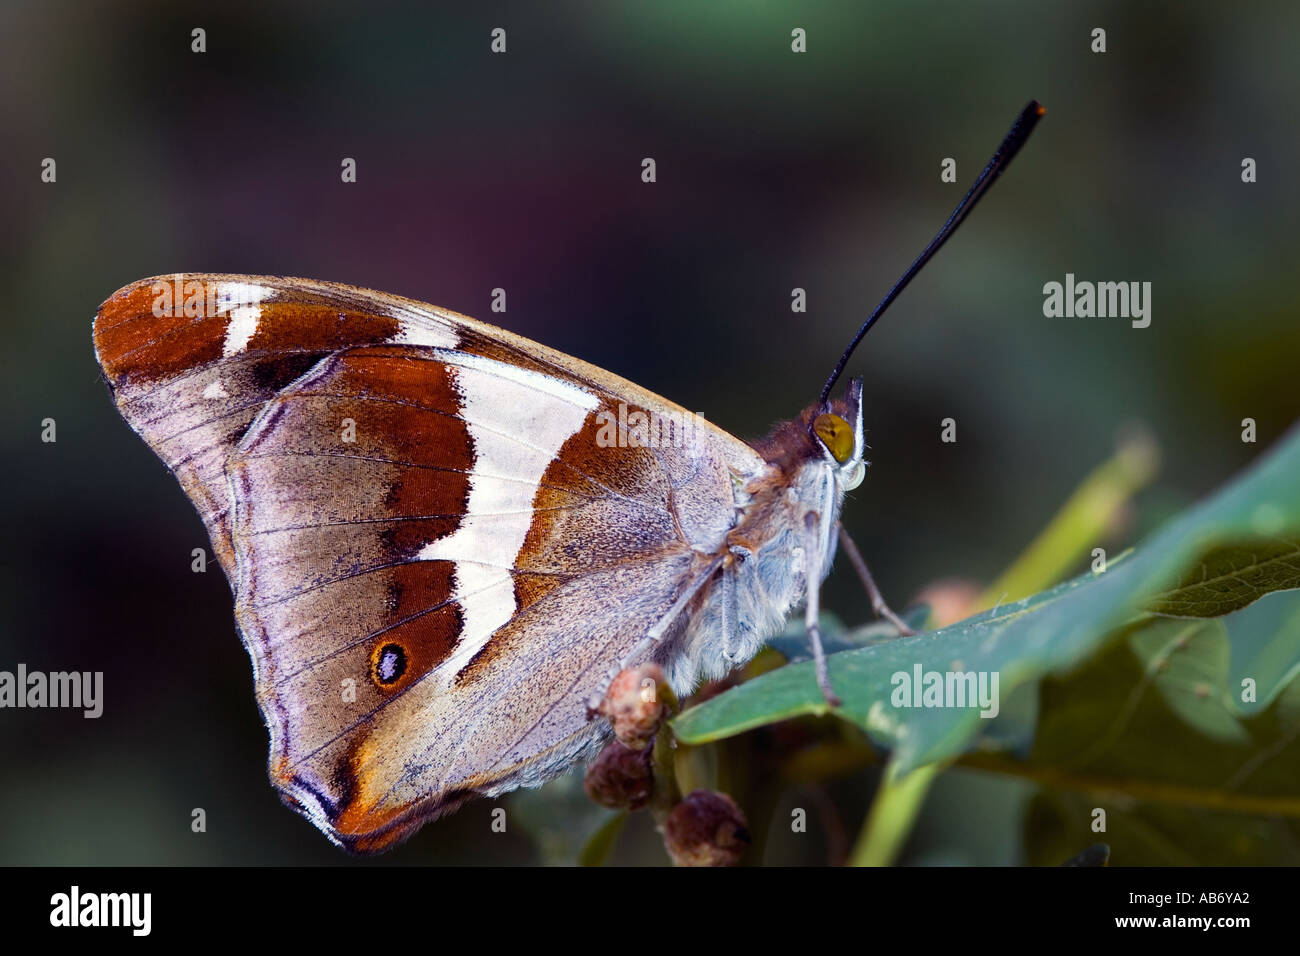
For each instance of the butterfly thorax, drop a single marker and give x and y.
(786, 512)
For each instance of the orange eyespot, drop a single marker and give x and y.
(836, 434)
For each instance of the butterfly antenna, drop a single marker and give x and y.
(1020, 131)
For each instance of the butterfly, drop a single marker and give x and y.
(444, 540)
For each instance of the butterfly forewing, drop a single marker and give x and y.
(192, 384)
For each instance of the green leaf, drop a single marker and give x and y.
(1187, 662)
(1154, 732)
(1230, 577)
(1158, 731)
(1265, 639)
(1160, 716)
(1049, 633)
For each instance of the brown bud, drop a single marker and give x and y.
(706, 829)
(634, 704)
(620, 778)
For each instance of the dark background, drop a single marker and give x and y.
(522, 170)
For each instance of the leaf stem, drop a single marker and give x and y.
(894, 811)
(1080, 522)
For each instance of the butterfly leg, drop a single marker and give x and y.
(812, 559)
(657, 632)
(878, 605)
(728, 615)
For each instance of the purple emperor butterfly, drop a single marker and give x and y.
(471, 531)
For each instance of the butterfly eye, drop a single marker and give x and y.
(836, 435)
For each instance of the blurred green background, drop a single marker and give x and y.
(475, 170)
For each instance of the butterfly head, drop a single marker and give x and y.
(825, 438)
(836, 432)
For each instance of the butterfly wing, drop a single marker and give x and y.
(437, 553)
